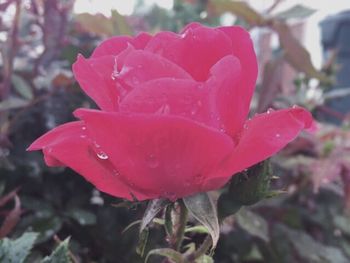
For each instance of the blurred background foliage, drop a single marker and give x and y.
(54, 215)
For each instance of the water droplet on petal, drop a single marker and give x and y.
(270, 110)
(83, 128)
(295, 106)
(152, 161)
(164, 109)
(278, 135)
(102, 155)
(83, 136)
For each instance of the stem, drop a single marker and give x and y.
(9, 52)
(180, 233)
(204, 247)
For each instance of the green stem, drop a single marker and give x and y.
(204, 247)
(180, 233)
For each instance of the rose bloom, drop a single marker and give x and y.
(173, 115)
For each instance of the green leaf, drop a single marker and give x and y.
(143, 238)
(297, 11)
(203, 209)
(83, 217)
(16, 250)
(22, 87)
(153, 208)
(13, 103)
(254, 224)
(205, 259)
(47, 227)
(169, 253)
(197, 229)
(308, 249)
(60, 254)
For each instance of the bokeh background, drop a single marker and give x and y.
(304, 59)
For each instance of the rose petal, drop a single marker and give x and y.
(166, 156)
(115, 45)
(196, 50)
(185, 98)
(262, 137)
(140, 66)
(68, 145)
(225, 90)
(243, 49)
(95, 78)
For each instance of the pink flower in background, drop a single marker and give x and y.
(173, 115)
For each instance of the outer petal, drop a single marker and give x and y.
(196, 50)
(95, 78)
(140, 66)
(166, 156)
(243, 49)
(68, 145)
(262, 137)
(115, 45)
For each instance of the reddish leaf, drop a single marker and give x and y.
(11, 219)
(272, 80)
(295, 53)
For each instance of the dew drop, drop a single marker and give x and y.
(295, 106)
(102, 155)
(82, 136)
(164, 109)
(83, 128)
(270, 110)
(152, 161)
(278, 135)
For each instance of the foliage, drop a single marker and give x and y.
(306, 222)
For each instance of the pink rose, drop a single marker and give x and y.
(173, 115)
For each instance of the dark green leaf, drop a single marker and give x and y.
(22, 87)
(169, 253)
(254, 224)
(203, 209)
(83, 217)
(309, 249)
(13, 103)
